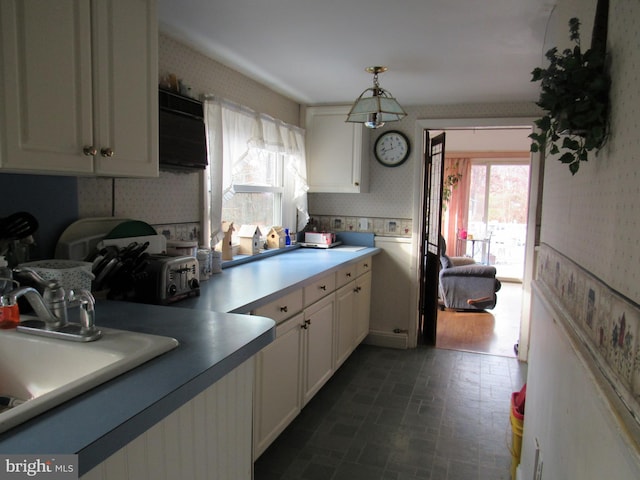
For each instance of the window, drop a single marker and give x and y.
(257, 170)
(258, 191)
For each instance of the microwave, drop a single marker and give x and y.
(181, 132)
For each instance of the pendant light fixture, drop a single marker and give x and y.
(378, 108)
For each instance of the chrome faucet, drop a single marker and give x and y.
(48, 317)
(51, 308)
(87, 310)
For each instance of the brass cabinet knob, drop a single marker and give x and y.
(106, 152)
(90, 151)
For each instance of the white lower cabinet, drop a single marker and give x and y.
(318, 327)
(277, 389)
(362, 307)
(291, 369)
(317, 346)
(345, 324)
(352, 316)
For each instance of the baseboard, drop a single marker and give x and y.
(380, 338)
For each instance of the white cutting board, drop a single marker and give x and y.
(348, 248)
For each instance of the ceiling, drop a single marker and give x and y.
(315, 51)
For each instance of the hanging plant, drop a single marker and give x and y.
(451, 179)
(575, 96)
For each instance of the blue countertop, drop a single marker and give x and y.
(242, 288)
(213, 342)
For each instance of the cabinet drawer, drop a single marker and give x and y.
(282, 308)
(318, 289)
(345, 275)
(364, 266)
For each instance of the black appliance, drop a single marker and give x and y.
(182, 137)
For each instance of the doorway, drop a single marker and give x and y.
(495, 168)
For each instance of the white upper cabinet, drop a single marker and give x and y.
(337, 153)
(79, 87)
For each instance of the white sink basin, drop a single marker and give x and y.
(45, 372)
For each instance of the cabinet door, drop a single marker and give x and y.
(125, 39)
(318, 346)
(337, 154)
(362, 307)
(79, 75)
(46, 86)
(345, 322)
(277, 392)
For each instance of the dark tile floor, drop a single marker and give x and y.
(401, 415)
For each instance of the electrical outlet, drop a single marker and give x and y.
(537, 470)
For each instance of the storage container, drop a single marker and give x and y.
(204, 261)
(72, 275)
(182, 248)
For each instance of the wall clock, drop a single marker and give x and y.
(392, 148)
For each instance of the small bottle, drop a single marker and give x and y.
(9, 313)
(287, 238)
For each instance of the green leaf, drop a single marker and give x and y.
(570, 144)
(567, 157)
(583, 155)
(544, 123)
(574, 167)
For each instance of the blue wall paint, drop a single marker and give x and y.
(53, 200)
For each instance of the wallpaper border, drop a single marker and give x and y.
(606, 322)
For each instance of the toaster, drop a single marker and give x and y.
(168, 279)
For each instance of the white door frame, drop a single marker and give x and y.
(448, 123)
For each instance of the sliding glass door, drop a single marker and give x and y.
(497, 217)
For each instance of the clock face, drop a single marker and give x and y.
(392, 148)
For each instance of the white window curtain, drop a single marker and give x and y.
(235, 133)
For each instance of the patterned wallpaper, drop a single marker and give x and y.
(589, 262)
(205, 75)
(593, 217)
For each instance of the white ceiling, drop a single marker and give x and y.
(315, 51)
